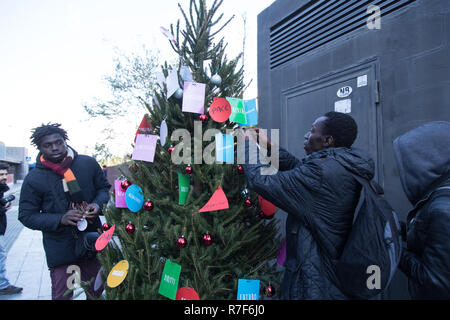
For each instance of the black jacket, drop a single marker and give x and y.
(43, 202)
(3, 189)
(319, 183)
(423, 160)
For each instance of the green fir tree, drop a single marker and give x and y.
(244, 245)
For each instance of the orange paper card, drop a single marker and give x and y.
(218, 201)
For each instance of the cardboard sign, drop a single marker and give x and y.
(218, 201)
(144, 148)
(237, 110)
(267, 207)
(194, 97)
(220, 110)
(103, 239)
(187, 293)
(184, 184)
(248, 289)
(224, 148)
(119, 195)
(134, 198)
(169, 280)
(117, 274)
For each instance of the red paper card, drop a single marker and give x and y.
(266, 207)
(144, 128)
(104, 238)
(218, 201)
(187, 293)
(220, 110)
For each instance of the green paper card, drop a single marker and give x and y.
(237, 110)
(169, 280)
(184, 183)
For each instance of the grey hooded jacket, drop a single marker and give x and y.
(423, 161)
(319, 183)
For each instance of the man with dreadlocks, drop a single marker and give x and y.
(64, 189)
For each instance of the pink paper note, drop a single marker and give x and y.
(194, 97)
(119, 195)
(218, 201)
(144, 149)
(103, 239)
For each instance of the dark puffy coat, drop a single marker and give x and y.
(3, 220)
(322, 184)
(423, 160)
(43, 202)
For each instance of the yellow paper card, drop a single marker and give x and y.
(117, 274)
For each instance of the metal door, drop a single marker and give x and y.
(353, 90)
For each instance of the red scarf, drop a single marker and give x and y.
(63, 169)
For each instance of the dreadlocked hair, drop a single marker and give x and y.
(39, 133)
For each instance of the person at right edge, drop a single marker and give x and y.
(423, 162)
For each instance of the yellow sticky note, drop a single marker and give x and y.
(117, 274)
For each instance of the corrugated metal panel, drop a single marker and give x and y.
(319, 22)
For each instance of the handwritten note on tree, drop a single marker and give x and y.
(220, 110)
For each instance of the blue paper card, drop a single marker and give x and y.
(134, 198)
(224, 148)
(248, 289)
(251, 113)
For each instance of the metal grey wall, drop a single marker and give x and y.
(411, 53)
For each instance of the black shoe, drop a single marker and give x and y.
(10, 290)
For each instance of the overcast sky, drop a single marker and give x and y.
(55, 54)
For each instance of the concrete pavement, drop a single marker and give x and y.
(26, 265)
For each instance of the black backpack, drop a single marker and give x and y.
(373, 248)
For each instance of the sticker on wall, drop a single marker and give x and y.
(344, 92)
(344, 106)
(362, 81)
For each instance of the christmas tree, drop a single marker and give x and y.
(215, 249)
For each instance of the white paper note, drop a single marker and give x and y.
(194, 97)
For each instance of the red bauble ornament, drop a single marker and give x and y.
(207, 239)
(188, 169)
(130, 228)
(106, 226)
(181, 242)
(240, 170)
(148, 206)
(270, 291)
(125, 184)
(170, 150)
(204, 118)
(248, 203)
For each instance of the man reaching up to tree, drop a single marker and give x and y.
(62, 190)
(320, 184)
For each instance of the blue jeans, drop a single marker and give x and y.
(4, 283)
